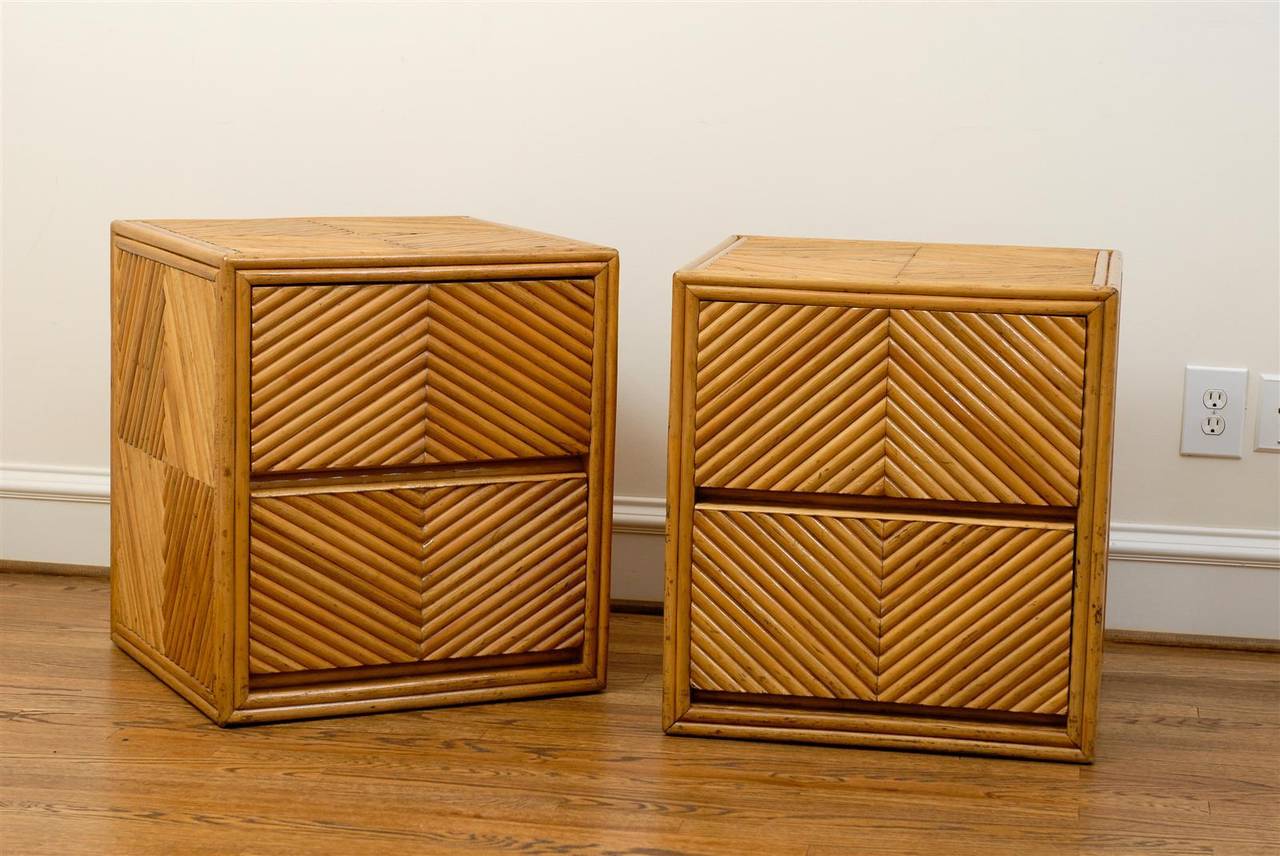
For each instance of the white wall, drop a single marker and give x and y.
(659, 129)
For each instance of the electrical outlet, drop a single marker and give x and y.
(1213, 405)
(1215, 399)
(1267, 436)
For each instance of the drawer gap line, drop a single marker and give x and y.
(1057, 517)
(425, 475)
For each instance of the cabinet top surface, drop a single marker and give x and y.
(362, 238)
(759, 259)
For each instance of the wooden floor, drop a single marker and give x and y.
(100, 758)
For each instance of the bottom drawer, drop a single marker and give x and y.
(342, 578)
(844, 605)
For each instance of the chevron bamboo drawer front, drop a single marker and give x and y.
(888, 494)
(360, 464)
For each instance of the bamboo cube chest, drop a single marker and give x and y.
(360, 464)
(888, 494)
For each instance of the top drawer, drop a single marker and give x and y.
(349, 376)
(912, 403)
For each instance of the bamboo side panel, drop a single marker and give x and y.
(509, 370)
(338, 377)
(165, 332)
(138, 352)
(336, 580)
(985, 407)
(785, 604)
(189, 555)
(791, 397)
(976, 616)
(506, 569)
(138, 544)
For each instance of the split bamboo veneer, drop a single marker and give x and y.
(888, 490)
(360, 464)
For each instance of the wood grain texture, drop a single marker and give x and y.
(960, 268)
(509, 368)
(367, 578)
(361, 464)
(791, 398)
(336, 579)
(338, 377)
(360, 240)
(958, 397)
(971, 407)
(506, 569)
(984, 407)
(754, 573)
(166, 329)
(975, 616)
(190, 554)
(920, 612)
(99, 757)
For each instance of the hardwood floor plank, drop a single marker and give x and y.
(96, 756)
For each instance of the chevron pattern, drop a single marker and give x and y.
(166, 330)
(791, 397)
(785, 604)
(976, 616)
(166, 325)
(506, 569)
(903, 403)
(985, 408)
(509, 370)
(397, 576)
(335, 580)
(338, 377)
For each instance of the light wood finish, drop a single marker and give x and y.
(169, 491)
(360, 464)
(338, 377)
(888, 266)
(625, 606)
(975, 617)
(931, 405)
(753, 572)
(330, 242)
(63, 569)
(99, 759)
(1183, 640)
(381, 376)
(954, 402)
(509, 369)
(912, 611)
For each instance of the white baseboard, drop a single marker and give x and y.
(58, 515)
(61, 484)
(1164, 579)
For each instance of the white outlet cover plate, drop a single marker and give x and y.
(1199, 380)
(1267, 436)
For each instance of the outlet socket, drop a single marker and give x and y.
(1215, 399)
(1213, 405)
